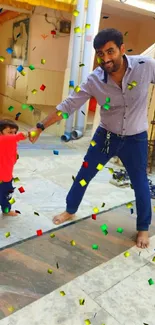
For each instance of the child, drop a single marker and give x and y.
(8, 157)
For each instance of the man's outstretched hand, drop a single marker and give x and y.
(34, 134)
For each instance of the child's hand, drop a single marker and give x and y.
(25, 135)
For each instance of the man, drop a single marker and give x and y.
(120, 85)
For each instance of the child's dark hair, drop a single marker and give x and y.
(8, 124)
(107, 35)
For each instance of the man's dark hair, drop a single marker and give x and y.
(8, 124)
(107, 35)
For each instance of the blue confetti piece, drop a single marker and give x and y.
(56, 152)
(131, 211)
(9, 50)
(18, 114)
(71, 83)
(18, 35)
(20, 68)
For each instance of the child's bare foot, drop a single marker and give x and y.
(61, 218)
(11, 213)
(142, 239)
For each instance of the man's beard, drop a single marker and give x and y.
(113, 68)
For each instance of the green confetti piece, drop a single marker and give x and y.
(104, 227)
(81, 302)
(52, 235)
(150, 281)
(81, 65)
(49, 271)
(106, 106)
(36, 213)
(31, 67)
(24, 106)
(31, 108)
(65, 116)
(105, 232)
(103, 204)
(120, 230)
(107, 100)
(11, 108)
(7, 234)
(6, 210)
(94, 246)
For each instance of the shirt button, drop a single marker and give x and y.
(124, 117)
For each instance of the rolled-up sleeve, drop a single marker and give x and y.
(152, 66)
(74, 101)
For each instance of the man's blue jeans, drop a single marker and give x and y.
(133, 152)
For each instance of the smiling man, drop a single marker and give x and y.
(120, 85)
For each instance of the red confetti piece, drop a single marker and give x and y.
(21, 189)
(42, 87)
(85, 164)
(39, 232)
(94, 216)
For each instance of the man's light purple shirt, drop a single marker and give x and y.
(128, 108)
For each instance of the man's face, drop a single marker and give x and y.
(110, 57)
(8, 130)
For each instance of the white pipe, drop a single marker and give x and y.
(75, 62)
(20, 10)
(93, 18)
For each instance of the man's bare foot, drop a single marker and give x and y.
(11, 213)
(61, 218)
(142, 239)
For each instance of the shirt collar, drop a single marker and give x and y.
(105, 79)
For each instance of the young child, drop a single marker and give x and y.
(8, 157)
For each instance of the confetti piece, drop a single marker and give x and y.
(42, 87)
(83, 113)
(34, 48)
(53, 32)
(31, 67)
(107, 100)
(150, 281)
(62, 293)
(36, 213)
(31, 108)
(18, 35)
(21, 189)
(81, 302)
(154, 208)
(39, 232)
(49, 271)
(129, 205)
(9, 50)
(43, 61)
(20, 68)
(105, 17)
(111, 171)
(75, 13)
(99, 60)
(104, 227)
(34, 91)
(96, 210)
(33, 133)
(99, 167)
(82, 182)
(73, 178)
(11, 108)
(93, 143)
(94, 246)
(130, 50)
(11, 309)
(77, 89)
(134, 83)
(126, 33)
(23, 73)
(141, 62)
(52, 235)
(65, 116)
(126, 254)
(131, 186)
(105, 232)
(57, 265)
(153, 260)
(56, 152)
(59, 113)
(18, 114)
(2, 58)
(131, 210)
(106, 106)
(103, 204)
(81, 65)
(6, 210)
(87, 26)
(16, 179)
(85, 164)
(73, 243)
(7, 234)
(77, 30)
(17, 211)
(24, 106)
(120, 230)
(12, 201)
(71, 84)
(94, 216)
(87, 322)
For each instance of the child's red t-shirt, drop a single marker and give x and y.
(8, 155)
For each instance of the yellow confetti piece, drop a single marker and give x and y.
(49, 271)
(129, 205)
(52, 235)
(93, 143)
(59, 113)
(87, 322)
(11, 309)
(34, 91)
(7, 234)
(33, 133)
(153, 260)
(87, 26)
(77, 30)
(83, 182)
(130, 87)
(62, 293)
(126, 254)
(12, 201)
(73, 243)
(96, 210)
(134, 83)
(75, 13)
(2, 58)
(111, 171)
(23, 73)
(77, 89)
(81, 302)
(43, 61)
(99, 167)
(16, 179)
(99, 60)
